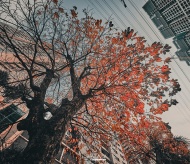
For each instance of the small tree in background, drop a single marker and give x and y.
(159, 145)
(78, 71)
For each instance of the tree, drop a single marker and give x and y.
(159, 146)
(79, 72)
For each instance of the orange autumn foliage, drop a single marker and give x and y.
(119, 71)
(102, 80)
(157, 144)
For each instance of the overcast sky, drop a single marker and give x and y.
(178, 116)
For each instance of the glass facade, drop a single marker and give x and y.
(172, 18)
(9, 115)
(176, 13)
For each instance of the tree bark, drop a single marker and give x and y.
(45, 136)
(158, 156)
(44, 145)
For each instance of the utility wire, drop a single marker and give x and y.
(139, 23)
(115, 14)
(160, 39)
(105, 11)
(143, 17)
(123, 14)
(132, 25)
(97, 10)
(184, 84)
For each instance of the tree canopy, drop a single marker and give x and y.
(84, 71)
(159, 145)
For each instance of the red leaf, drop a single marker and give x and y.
(56, 15)
(55, 1)
(61, 10)
(167, 60)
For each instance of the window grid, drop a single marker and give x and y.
(185, 4)
(161, 3)
(180, 25)
(115, 151)
(116, 158)
(9, 115)
(172, 12)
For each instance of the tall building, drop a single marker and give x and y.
(113, 152)
(172, 18)
(182, 42)
(110, 153)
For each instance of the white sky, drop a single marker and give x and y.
(178, 116)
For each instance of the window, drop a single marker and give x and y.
(114, 150)
(70, 156)
(117, 158)
(9, 115)
(106, 153)
(121, 156)
(108, 161)
(119, 149)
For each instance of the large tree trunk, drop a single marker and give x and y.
(44, 145)
(158, 153)
(45, 136)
